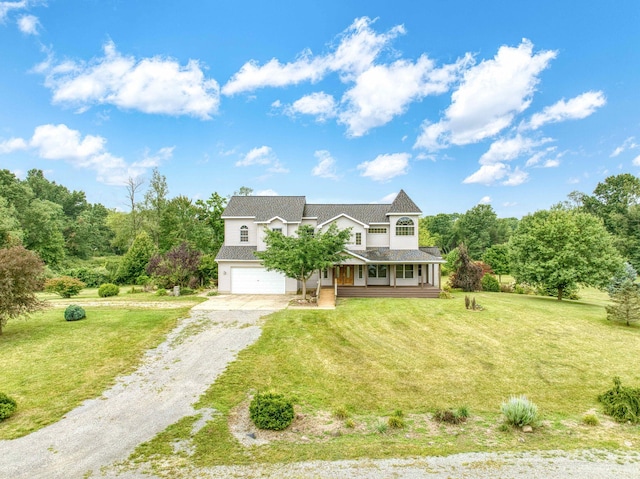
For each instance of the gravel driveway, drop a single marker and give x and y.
(174, 375)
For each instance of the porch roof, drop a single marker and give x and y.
(386, 255)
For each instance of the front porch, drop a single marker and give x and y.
(424, 291)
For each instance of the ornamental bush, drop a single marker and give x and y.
(621, 402)
(7, 406)
(65, 286)
(490, 283)
(74, 313)
(519, 411)
(108, 289)
(271, 411)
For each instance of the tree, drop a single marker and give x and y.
(442, 229)
(10, 231)
(243, 191)
(626, 304)
(134, 263)
(133, 185)
(561, 249)
(42, 225)
(177, 267)
(21, 275)
(477, 229)
(155, 202)
(210, 212)
(467, 275)
(300, 256)
(497, 256)
(425, 238)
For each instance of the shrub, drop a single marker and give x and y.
(91, 277)
(108, 289)
(271, 411)
(450, 416)
(7, 406)
(186, 291)
(396, 422)
(65, 286)
(468, 274)
(161, 292)
(212, 293)
(74, 313)
(590, 419)
(519, 411)
(621, 402)
(490, 283)
(507, 288)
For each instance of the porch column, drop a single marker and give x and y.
(365, 267)
(436, 276)
(394, 274)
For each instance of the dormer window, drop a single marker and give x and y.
(244, 234)
(277, 230)
(405, 227)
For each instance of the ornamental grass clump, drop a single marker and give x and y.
(621, 402)
(271, 411)
(519, 411)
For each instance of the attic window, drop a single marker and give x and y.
(244, 234)
(404, 227)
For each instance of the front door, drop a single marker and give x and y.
(344, 275)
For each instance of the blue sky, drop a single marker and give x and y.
(515, 104)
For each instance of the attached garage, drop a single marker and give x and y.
(256, 281)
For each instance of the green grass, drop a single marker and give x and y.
(373, 356)
(49, 365)
(91, 294)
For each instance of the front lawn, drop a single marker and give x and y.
(49, 365)
(369, 358)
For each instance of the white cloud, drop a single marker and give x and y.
(326, 167)
(11, 145)
(268, 192)
(628, 144)
(516, 177)
(573, 180)
(29, 24)
(636, 161)
(488, 174)
(320, 104)
(490, 96)
(152, 85)
(59, 142)
(263, 156)
(507, 149)
(387, 199)
(258, 156)
(384, 91)
(574, 109)
(485, 200)
(551, 163)
(357, 48)
(385, 167)
(6, 7)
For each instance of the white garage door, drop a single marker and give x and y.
(256, 281)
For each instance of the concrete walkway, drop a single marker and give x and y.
(163, 390)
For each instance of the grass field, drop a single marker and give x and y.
(372, 357)
(50, 365)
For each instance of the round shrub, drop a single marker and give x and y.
(7, 406)
(65, 286)
(74, 313)
(490, 283)
(271, 411)
(161, 292)
(108, 289)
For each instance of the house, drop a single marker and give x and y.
(381, 259)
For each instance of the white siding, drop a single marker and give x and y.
(232, 232)
(403, 242)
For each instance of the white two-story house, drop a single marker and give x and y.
(382, 256)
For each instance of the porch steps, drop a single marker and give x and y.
(327, 298)
(388, 292)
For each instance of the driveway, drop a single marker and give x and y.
(171, 378)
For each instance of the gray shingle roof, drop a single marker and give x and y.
(404, 204)
(237, 253)
(366, 214)
(386, 255)
(264, 208)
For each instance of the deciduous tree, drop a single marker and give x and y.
(300, 256)
(497, 256)
(21, 275)
(561, 248)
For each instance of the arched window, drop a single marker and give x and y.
(244, 234)
(404, 227)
